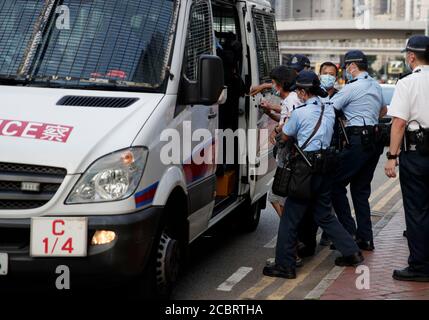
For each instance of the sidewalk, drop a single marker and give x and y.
(391, 252)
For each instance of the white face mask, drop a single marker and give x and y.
(327, 81)
(407, 64)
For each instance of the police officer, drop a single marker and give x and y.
(311, 126)
(299, 62)
(361, 102)
(410, 112)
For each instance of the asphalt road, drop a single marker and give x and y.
(227, 264)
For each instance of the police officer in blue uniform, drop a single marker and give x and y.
(361, 102)
(311, 126)
(410, 112)
(299, 62)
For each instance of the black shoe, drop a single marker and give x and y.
(299, 262)
(272, 261)
(409, 275)
(306, 252)
(333, 247)
(350, 261)
(365, 245)
(279, 272)
(324, 242)
(405, 234)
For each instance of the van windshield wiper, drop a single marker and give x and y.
(8, 80)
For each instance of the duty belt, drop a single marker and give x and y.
(357, 130)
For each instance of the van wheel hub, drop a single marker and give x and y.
(168, 261)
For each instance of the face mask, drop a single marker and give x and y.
(276, 92)
(327, 81)
(349, 76)
(407, 64)
(301, 95)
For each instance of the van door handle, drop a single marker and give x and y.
(212, 115)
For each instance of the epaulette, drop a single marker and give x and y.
(402, 76)
(301, 106)
(352, 81)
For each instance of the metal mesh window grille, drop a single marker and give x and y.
(200, 36)
(122, 40)
(267, 48)
(17, 21)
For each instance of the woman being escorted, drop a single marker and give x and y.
(311, 126)
(283, 78)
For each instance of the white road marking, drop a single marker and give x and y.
(272, 243)
(239, 275)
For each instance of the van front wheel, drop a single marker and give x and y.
(168, 264)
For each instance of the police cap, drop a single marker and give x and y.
(417, 44)
(356, 56)
(299, 62)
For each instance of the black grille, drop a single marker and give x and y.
(14, 238)
(267, 49)
(13, 195)
(98, 102)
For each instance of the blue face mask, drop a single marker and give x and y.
(327, 81)
(349, 76)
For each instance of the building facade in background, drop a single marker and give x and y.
(327, 29)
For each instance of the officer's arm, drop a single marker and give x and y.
(400, 112)
(341, 99)
(383, 112)
(397, 135)
(290, 129)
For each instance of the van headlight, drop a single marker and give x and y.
(111, 178)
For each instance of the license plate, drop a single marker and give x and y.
(59, 237)
(3, 264)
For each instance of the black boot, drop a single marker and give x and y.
(350, 261)
(278, 271)
(408, 274)
(365, 245)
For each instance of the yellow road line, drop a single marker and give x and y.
(379, 191)
(382, 188)
(289, 285)
(384, 200)
(252, 292)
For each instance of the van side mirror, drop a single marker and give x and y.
(209, 86)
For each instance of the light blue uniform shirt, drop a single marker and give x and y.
(303, 121)
(361, 101)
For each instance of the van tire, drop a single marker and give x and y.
(169, 253)
(250, 215)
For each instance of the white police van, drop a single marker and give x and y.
(88, 90)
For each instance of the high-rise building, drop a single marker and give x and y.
(348, 9)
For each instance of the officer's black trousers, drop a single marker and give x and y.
(294, 211)
(357, 167)
(414, 177)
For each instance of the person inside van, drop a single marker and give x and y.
(283, 78)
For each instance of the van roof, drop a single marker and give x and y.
(265, 3)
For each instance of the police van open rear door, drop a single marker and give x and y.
(263, 55)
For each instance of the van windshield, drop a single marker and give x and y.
(86, 43)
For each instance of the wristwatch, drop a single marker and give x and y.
(391, 156)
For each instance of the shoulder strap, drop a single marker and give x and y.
(316, 128)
